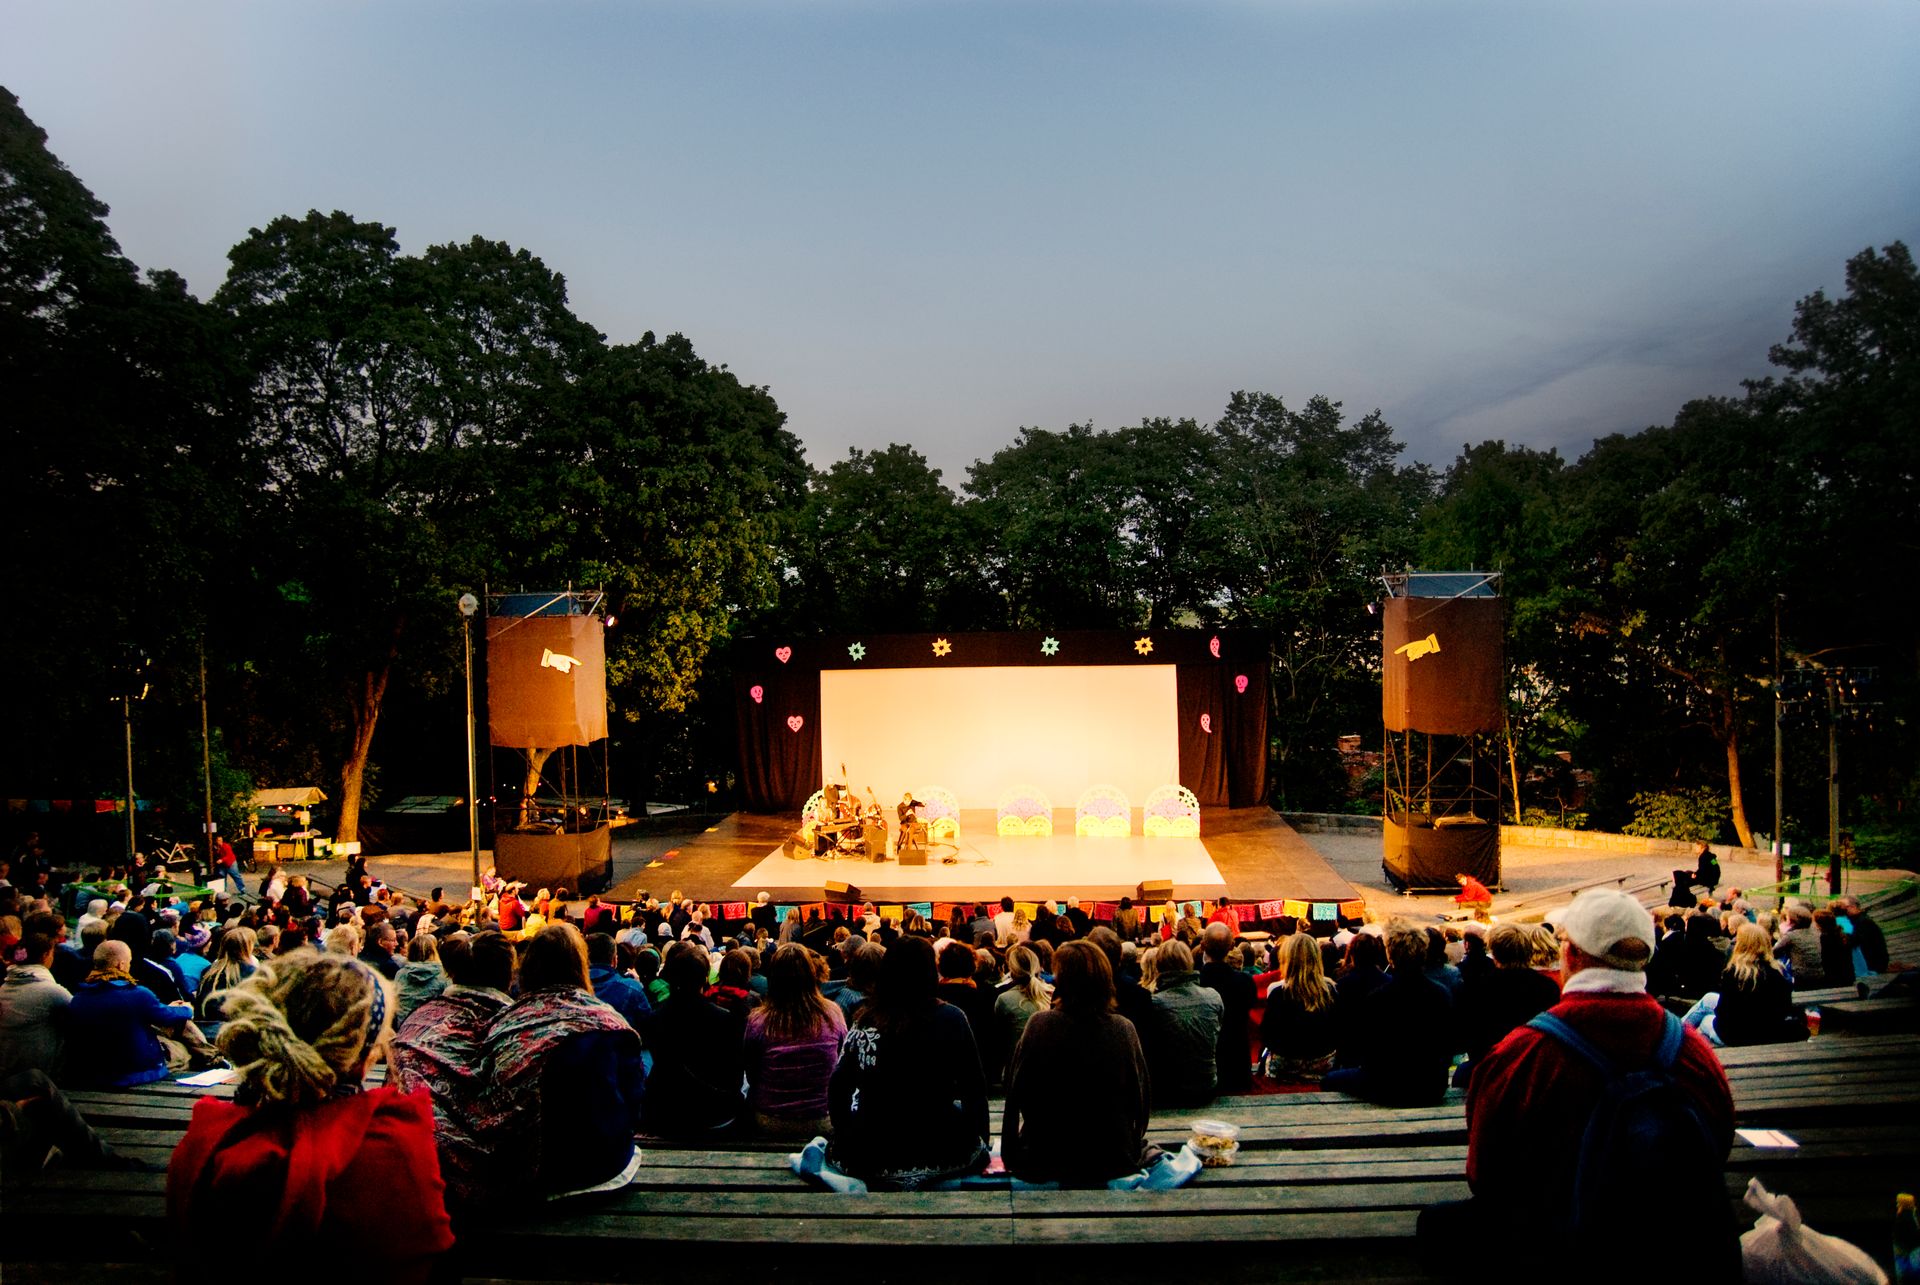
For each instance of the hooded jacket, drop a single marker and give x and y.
(345, 1172)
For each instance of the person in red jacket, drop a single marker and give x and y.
(1529, 1102)
(305, 1156)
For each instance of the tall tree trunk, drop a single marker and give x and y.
(366, 715)
(1736, 796)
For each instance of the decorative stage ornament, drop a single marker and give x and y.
(555, 660)
(942, 647)
(783, 654)
(1240, 683)
(1171, 812)
(858, 651)
(758, 693)
(1213, 645)
(1418, 647)
(1024, 810)
(1103, 812)
(1143, 646)
(1050, 647)
(1206, 723)
(795, 722)
(940, 809)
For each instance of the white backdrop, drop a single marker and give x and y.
(979, 731)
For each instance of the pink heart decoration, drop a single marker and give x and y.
(794, 722)
(783, 654)
(1213, 645)
(758, 693)
(1206, 724)
(1240, 683)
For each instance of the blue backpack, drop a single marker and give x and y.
(1649, 1186)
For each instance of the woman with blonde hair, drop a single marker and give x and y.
(1299, 1028)
(1019, 931)
(1025, 995)
(234, 964)
(1754, 1002)
(304, 1154)
(422, 977)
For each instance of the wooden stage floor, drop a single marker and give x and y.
(1244, 854)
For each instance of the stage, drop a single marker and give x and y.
(1243, 854)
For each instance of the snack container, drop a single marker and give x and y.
(1215, 1142)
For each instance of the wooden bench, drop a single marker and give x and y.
(1334, 1180)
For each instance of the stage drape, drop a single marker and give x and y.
(779, 758)
(1223, 761)
(1442, 665)
(1419, 854)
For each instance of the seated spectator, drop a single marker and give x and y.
(110, 1041)
(1799, 949)
(1663, 974)
(627, 996)
(694, 1087)
(733, 984)
(646, 971)
(235, 964)
(382, 940)
(1077, 1110)
(305, 1156)
(1512, 994)
(863, 970)
(136, 931)
(597, 918)
(1753, 1003)
(1186, 1035)
(957, 963)
(419, 979)
(908, 1101)
(565, 1080)
(1126, 922)
(1836, 952)
(1364, 972)
(792, 1045)
(1024, 996)
(1233, 1054)
(1702, 960)
(33, 1006)
(1868, 938)
(442, 1048)
(1404, 1031)
(1299, 1026)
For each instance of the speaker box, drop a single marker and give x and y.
(834, 890)
(1154, 890)
(913, 856)
(876, 844)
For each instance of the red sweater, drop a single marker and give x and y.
(350, 1171)
(1529, 1099)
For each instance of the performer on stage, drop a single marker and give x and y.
(909, 818)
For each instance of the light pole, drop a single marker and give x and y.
(468, 605)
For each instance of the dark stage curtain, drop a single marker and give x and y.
(779, 760)
(1223, 759)
(1422, 855)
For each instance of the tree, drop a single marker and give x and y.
(1311, 507)
(392, 397)
(883, 544)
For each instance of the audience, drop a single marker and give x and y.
(1184, 1049)
(419, 979)
(1403, 1032)
(1024, 996)
(792, 1044)
(908, 1101)
(1077, 1084)
(1299, 1027)
(109, 1025)
(305, 1158)
(694, 1087)
(1233, 1051)
(33, 1007)
(1753, 1003)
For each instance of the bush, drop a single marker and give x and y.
(1693, 815)
(1554, 818)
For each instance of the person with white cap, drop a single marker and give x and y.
(1531, 1100)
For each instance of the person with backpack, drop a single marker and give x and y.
(1598, 1132)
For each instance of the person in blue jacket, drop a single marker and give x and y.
(110, 1038)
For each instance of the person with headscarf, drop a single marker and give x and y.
(305, 1156)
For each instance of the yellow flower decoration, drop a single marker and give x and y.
(942, 647)
(1143, 646)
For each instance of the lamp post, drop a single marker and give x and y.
(468, 606)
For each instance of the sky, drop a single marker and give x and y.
(937, 221)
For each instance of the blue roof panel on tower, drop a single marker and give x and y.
(1453, 584)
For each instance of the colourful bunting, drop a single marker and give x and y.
(891, 913)
(1353, 909)
(1104, 911)
(924, 907)
(1027, 908)
(1270, 910)
(734, 910)
(1298, 909)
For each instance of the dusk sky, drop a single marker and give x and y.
(935, 221)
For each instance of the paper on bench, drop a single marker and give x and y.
(219, 1075)
(1766, 1138)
